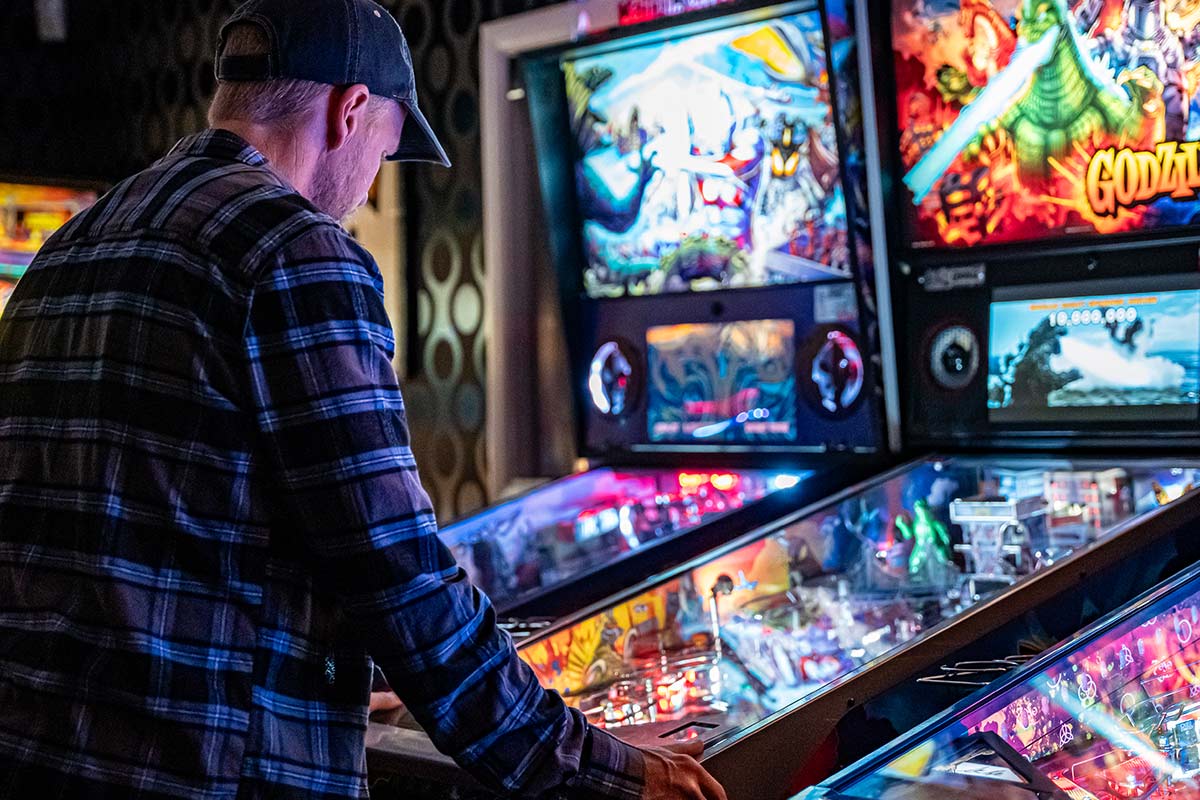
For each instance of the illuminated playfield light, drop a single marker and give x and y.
(721, 481)
(786, 481)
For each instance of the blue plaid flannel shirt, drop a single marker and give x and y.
(211, 521)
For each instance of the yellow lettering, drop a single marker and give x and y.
(1165, 153)
(1121, 178)
(1125, 177)
(1188, 150)
(1148, 173)
(1099, 184)
(1181, 190)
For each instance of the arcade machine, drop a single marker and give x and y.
(28, 215)
(1110, 713)
(1063, 348)
(714, 278)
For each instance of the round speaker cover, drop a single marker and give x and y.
(611, 379)
(954, 357)
(836, 372)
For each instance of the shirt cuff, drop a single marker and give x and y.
(609, 768)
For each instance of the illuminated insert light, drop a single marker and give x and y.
(721, 481)
(724, 482)
(786, 481)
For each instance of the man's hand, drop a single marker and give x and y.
(675, 774)
(384, 701)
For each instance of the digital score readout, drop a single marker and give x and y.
(1106, 312)
(1095, 357)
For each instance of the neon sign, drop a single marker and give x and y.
(634, 11)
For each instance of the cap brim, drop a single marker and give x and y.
(417, 141)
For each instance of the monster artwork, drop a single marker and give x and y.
(929, 558)
(708, 161)
(1022, 119)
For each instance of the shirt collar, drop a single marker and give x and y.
(222, 144)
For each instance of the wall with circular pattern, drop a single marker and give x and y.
(134, 76)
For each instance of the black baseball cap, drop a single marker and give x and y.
(339, 42)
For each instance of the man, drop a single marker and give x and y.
(209, 512)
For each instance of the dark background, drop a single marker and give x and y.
(134, 76)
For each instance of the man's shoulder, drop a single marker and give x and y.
(256, 220)
(241, 215)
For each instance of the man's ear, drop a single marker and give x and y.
(347, 112)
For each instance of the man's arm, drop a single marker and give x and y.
(331, 417)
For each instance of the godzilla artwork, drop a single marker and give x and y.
(1022, 119)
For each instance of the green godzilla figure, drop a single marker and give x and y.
(1071, 99)
(1050, 98)
(931, 540)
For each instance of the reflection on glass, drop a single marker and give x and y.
(581, 522)
(1114, 717)
(758, 627)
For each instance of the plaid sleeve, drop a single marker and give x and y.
(331, 420)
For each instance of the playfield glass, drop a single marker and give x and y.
(560, 531)
(1112, 715)
(1021, 120)
(708, 160)
(1095, 357)
(761, 624)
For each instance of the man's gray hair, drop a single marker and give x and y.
(259, 101)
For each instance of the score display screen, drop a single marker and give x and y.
(722, 382)
(1021, 120)
(1127, 356)
(708, 161)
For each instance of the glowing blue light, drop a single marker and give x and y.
(786, 481)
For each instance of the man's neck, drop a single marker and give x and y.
(283, 149)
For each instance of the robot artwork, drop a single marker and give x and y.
(709, 161)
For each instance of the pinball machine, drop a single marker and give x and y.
(29, 214)
(706, 216)
(714, 275)
(1109, 713)
(1043, 280)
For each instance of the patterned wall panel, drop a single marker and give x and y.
(133, 76)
